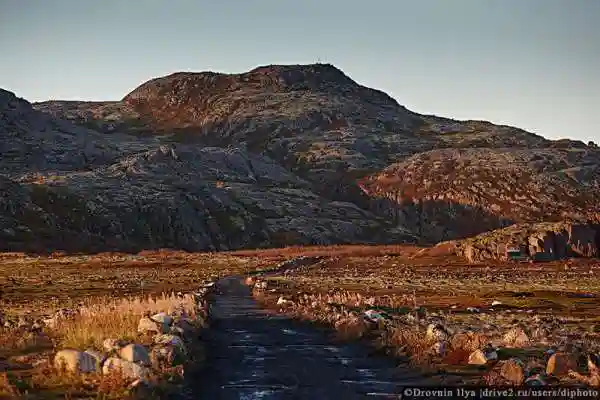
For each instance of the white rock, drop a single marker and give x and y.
(146, 325)
(162, 318)
(496, 303)
(127, 368)
(281, 301)
(478, 357)
(75, 361)
(135, 353)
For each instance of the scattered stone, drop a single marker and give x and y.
(183, 327)
(469, 341)
(171, 340)
(75, 361)
(478, 357)
(162, 318)
(135, 353)
(559, 364)
(534, 367)
(281, 301)
(166, 356)
(99, 357)
(127, 368)
(512, 371)
(146, 325)
(496, 303)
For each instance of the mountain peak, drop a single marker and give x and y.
(273, 77)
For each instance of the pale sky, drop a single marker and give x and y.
(528, 63)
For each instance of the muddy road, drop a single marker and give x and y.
(254, 354)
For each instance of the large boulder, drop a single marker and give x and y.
(560, 364)
(127, 368)
(135, 353)
(76, 361)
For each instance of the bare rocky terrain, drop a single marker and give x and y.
(280, 155)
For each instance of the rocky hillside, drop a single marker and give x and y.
(69, 187)
(285, 154)
(451, 193)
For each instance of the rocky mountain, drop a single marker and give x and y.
(69, 187)
(282, 154)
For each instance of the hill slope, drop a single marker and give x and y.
(351, 154)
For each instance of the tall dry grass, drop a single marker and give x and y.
(93, 322)
(117, 318)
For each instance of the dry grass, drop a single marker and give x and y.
(43, 284)
(116, 318)
(107, 294)
(94, 322)
(329, 251)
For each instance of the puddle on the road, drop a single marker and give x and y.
(258, 373)
(257, 395)
(367, 373)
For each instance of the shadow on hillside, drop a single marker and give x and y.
(436, 221)
(430, 221)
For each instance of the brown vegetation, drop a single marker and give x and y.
(103, 298)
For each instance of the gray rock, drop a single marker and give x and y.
(127, 368)
(75, 361)
(136, 353)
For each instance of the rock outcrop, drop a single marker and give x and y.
(540, 242)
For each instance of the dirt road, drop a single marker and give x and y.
(253, 354)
